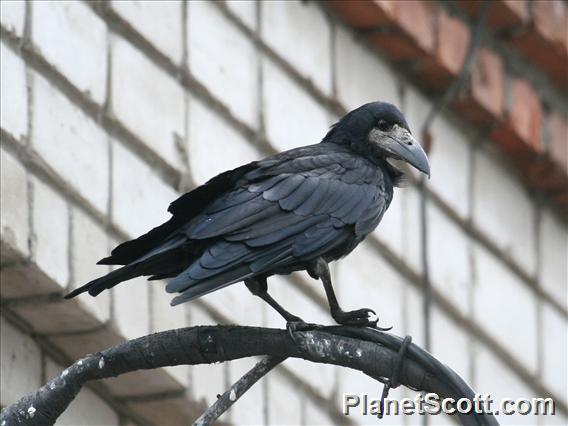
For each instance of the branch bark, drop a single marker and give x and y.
(370, 351)
(225, 401)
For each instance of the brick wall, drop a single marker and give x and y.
(109, 110)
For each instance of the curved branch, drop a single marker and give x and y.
(370, 351)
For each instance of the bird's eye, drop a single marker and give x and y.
(384, 125)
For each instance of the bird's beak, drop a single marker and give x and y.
(399, 143)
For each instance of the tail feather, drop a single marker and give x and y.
(159, 263)
(108, 281)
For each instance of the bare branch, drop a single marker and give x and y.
(370, 351)
(225, 401)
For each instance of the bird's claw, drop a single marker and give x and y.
(359, 318)
(295, 326)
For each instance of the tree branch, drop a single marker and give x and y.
(370, 351)
(225, 401)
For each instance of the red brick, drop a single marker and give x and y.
(541, 175)
(411, 36)
(520, 134)
(482, 105)
(488, 81)
(452, 41)
(549, 20)
(545, 42)
(416, 18)
(525, 113)
(364, 13)
(539, 52)
(558, 142)
(504, 14)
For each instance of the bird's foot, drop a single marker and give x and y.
(295, 326)
(358, 318)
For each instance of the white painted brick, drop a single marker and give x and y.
(368, 81)
(173, 411)
(210, 139)
(244, 10)
(249, 409)
(51, 233)
(555, 351)
(233, 76)
(415, 107)
(147, 100)
(308, 46)
(76, 346)
(71, 143)
(284, 401)
(317, 414)
(21, 364)
(73, 39)
(14, 96)
(87, 409)
(14, 212)
(140, 197)
(503, 210)
(495, 378)
(13, 15)
(236, 303)
(287, 293)
(199, 315)
(58, 316)
(366, 280)
(390, 230)
(510, 306)
(399, 229)
(413, 323)
(23, 279)
(164, 316)
(89, 245)
(130, 310)
(292, 117)
(450, 344)
(208, 381)
(411, 230)
(449, 162)
(142, 382)
(449, 260)
(553, 257)
(160, 23)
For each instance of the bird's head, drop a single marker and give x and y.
(380, 130)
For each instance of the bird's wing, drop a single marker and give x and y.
(183, 210)
(302, 208)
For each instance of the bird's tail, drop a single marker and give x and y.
(164, 261)
(106, 282)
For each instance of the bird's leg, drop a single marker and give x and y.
(360, 317)
(259, 287)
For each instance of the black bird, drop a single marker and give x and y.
(297, 210)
